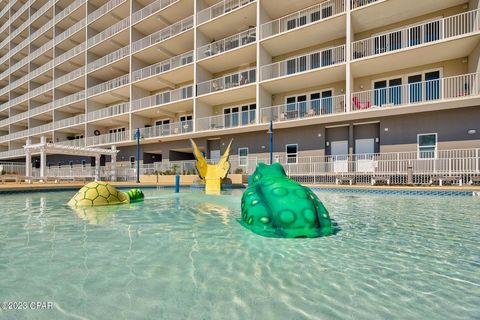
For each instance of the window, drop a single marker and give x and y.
(79, 136)
(186, 123)
(306, 105)
(248, 114)
(116, 130)
(292, 153)
(427, 146)
(187, 92)
(231, 117)
(243, 156)
(132, 162)
(187, 117)
(162, 122)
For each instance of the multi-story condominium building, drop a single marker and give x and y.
(336, 77)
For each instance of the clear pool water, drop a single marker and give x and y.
(185, 257)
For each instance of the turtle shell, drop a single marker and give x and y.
(98, 193)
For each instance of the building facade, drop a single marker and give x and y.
(335, 77)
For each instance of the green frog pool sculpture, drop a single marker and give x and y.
(275, 206)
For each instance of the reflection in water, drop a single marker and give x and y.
(96, 215)
(215, 209)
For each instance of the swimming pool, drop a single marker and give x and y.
(185, 257)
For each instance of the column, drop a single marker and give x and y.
(97, 167)
(348, 56)
(43, 157)
(114, 164)
(28, 160)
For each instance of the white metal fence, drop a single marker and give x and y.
(229, 81)
(238, 40)
(219, 9)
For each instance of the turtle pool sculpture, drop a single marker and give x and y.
(276, 206)
(101, 193)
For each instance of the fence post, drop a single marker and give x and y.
(476, 160)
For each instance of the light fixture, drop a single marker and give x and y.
(377, 140)
(319, 135)
(361, 86)
(472, 131)
(327, 143)
(386, 129)
(263, 147)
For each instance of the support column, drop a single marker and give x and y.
(43, 157)
(97, 168)
(348, 56)
(351, 141)
(28, 160)
(114, 164)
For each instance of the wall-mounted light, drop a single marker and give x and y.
(377, 140)
(472, 131)
(327, 143)
(263, 147)
(319, 135)
(361, 86)
(386, 129)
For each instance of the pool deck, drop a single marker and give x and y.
(22, 187)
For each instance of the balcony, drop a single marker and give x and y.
(109, 32)
(70, 76)
(226, 121)
(109, 59)
(167, 129)
(241, 45)
(229, 88)
(173, 38)
(308, 27)
(41, 109)
(110, 85)
(226, 17)
(70, 99)
(12, 153)
(108, 138)
(107, 7)
(71, 31)
(113, 111)
(169, 70)
(73, 143)
(425, 92)
(306, 110)
(70, 122)
(69, 9)
(425, 43)
(41, 129)
(70, 54)
(40, 90)
(177, 100)
(313, 69)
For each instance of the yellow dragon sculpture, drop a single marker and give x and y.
(212, 174)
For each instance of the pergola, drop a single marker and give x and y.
(43, 148)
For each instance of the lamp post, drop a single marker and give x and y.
(137, 136)
(270, 131)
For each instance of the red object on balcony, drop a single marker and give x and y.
(359, 106)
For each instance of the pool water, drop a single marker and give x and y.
(186, 257)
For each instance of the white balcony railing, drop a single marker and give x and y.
(69, 9)
(73, 143)
(306, 62)
(41, 109)
(456, 87)
(229, 81)
(104, 9)
(19, 134)
(70, 31)
(166, 129)
(12, 153)
(109, 32)
(41, 30)
(70, 76)
(37, 91)
(39, 70)
(69, 122)
(109, 85)
(37, 53)
(219, 9)
(109, 138)
(226, 121)
(42, 10)
(14, 16)
(361, 3)
(303, 17)
(75, 97)
(19, 117)
(163, 66)
(304, 109)
(109, 58)
(109, 112)
(163, 34)
(420, 34)
(162, 98)
(239, 40)
(41, 129)
(150, 9)
(67, 55)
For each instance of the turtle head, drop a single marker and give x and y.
(135, 195)
(267, 171)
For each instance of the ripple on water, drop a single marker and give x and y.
(185, 257)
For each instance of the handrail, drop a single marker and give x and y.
(162, 98)
(219, 9)
(233, 42)
(163, 66)
(228, 81)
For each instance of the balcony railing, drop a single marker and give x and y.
(456, 87)
(360, 3)
(12, 153)
(109, 138)
(304, 109)
(41, 30)
(428, 32)
(104, 9)
(75, 97)
(109, 85)
(70, 53)
(163, 34)
(42, 10)
(41, 109)
(70, 31)
(226, 121)
(310, 61)
(70, 76)
(39, 70)
(37, 91)
(166, 129)
(19, 117)
(72, 143)
(150, 9)
(109, 58)
(162, 98)
(69, 9)
(233, 80)
(109, 112)
(219, 9)
(72, 121)
(303, 17)
(109, 32)
(41, 129)
(19, 11)
(37, 53)
(163, 66)
(227, 44)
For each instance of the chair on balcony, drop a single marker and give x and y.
(359, 105)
